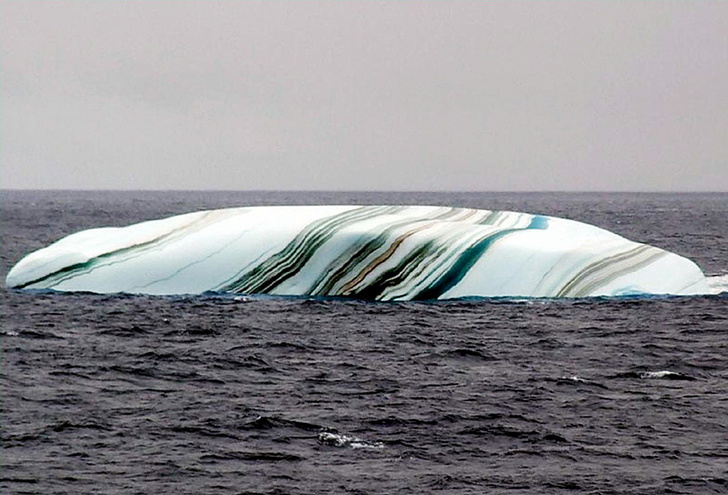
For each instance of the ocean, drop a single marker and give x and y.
(121, 394)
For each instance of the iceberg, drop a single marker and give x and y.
(384, 253)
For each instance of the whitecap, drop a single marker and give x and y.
(340, 440)
(666, 374)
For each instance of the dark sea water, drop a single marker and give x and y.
(214, 394)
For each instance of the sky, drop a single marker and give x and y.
(396, 95)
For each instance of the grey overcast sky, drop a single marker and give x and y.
(364, 95)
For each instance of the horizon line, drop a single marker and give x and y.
(398, 191)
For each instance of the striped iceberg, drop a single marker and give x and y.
(366, 252)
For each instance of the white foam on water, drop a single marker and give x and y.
(341, 440)
(659, 374)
